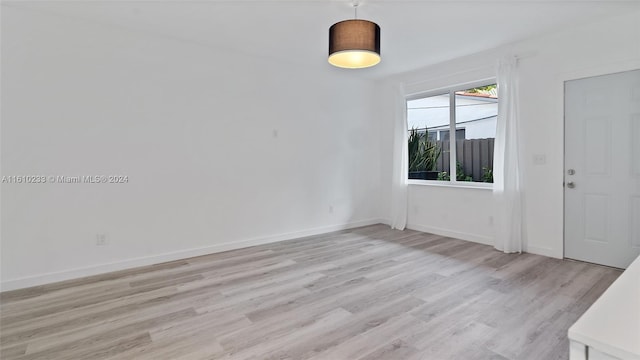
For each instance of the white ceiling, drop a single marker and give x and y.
(414, 33)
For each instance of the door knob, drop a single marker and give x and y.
(571, 185)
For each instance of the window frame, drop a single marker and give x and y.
(451, 91)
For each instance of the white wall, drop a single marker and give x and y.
(194, 129)
(596, 48)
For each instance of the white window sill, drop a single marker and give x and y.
(450, 184)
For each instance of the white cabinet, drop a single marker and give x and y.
(594, 354)
(610, 329)
(579, 351)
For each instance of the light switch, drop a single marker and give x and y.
(539, 159)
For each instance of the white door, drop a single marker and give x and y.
(602, 169)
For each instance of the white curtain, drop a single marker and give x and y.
(399, 184)
(507, 185)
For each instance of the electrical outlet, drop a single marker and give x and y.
(330, 209)
(102, 240)
(491, 220)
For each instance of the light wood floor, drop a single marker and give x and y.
(368, 293)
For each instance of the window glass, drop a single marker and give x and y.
(476, 115)
(428, 153)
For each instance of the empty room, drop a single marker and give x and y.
(320, 179)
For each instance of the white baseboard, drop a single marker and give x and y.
(52, 277)
(452, 233)
(544, 252)
(548, 252)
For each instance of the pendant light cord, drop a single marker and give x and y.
(355, 9)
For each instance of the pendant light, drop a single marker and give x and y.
(354, 44)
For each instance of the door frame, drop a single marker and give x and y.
(561, 79)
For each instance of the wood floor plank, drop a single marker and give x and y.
(366, 293)
(13, 351)
(373, 339)
(396, 349)
(360, 323)
(83, 341)
(282, 337)
(76, 284)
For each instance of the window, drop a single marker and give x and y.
(433, 155)
(444, 134)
